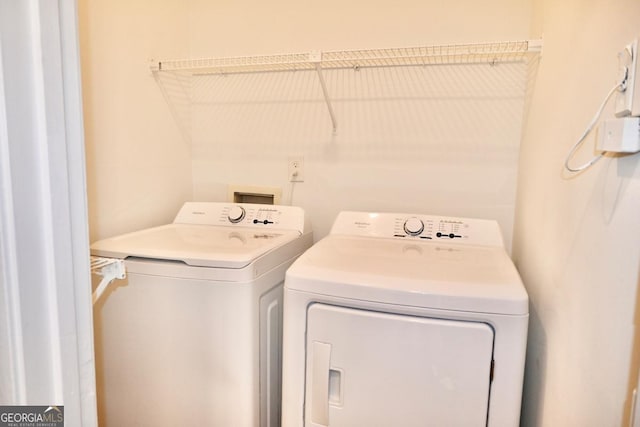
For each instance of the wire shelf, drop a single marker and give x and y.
(109, 269)
(491, 53)
(474, 53)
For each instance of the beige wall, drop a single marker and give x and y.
(441, 140)
(577, 237)
(138, 165)
(248, 27)
(145, 156)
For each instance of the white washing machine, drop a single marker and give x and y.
(404, 320)
(193, 336)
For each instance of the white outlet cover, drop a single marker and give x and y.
(296, 169)
(628, 59)
(635, 90)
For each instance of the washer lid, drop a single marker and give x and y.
(196, 245)
(421, 274)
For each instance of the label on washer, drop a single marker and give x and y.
(242, 215)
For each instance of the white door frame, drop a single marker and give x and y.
(46, 319)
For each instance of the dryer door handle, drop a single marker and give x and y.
(321, 360)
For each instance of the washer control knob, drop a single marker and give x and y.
(236, 214)
(413, 226)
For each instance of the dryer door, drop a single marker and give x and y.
(368, 368)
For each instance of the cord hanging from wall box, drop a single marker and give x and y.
(319, 61)
(622, 134)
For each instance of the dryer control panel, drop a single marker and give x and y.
(242, 215)
(417, 227)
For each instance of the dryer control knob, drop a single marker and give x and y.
(413, 226)
(236, 214)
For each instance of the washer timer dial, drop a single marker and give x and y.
(236, 214)
(413, 226)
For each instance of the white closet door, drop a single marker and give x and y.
(372, 369)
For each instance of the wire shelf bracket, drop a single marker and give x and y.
(472, 53)
(316, 58)
(110, 269)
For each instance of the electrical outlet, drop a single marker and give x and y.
(296, 169)
(627, 66)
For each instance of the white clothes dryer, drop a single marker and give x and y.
(193, 335)
(404, 320)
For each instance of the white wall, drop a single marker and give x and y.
(138, 164)
(577, 239)
(441, 140)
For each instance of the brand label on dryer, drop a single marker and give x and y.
(361, 224)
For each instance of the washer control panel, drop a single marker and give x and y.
(419, 228)
(242, 215)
